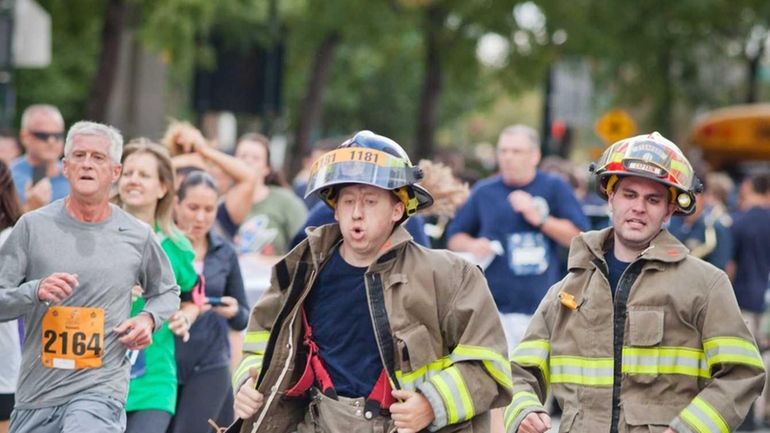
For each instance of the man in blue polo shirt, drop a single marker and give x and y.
(520, 217)
(42, 135)
(750, 265)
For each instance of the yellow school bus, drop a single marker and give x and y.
(732, 135)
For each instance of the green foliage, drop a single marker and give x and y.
(76, 41)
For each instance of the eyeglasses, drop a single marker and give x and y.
(45, 136)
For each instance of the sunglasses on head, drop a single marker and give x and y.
(45, 136)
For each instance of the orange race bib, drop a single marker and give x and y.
(73, 337)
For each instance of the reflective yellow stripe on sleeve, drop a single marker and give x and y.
(493, 362)
(520, 401)
(703, 418)
(533, 353)
(731, 350)
(242, 372)
(256, 341)
(582, 370)
(454, 392)
(411, 380)
(665, 360)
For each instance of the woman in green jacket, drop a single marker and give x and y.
(146, 190)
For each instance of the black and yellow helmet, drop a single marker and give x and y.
(369, 159)
(654, 157)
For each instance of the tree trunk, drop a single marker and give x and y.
(754, 63)
(104, 79)
(431, 87)
(664, 100)
(312, 103)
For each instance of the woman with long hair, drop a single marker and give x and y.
(10, 347)
(146, 190)
(203, 363)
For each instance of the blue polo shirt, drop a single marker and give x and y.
(520, 277)
(21, 171)
(751, 252)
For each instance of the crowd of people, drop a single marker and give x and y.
(400, 297)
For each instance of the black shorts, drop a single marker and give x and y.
(6, 406)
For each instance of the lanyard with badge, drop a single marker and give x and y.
(73, 337)
(529, 251)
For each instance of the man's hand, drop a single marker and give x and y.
(57, 287)
(136, 332)
(413, 413)
(180, 324)
(481, 248)
(38, 195)
(248, 400)
(522, 202)
(535, 422)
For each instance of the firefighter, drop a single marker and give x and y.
(364, 330)
(639, 336)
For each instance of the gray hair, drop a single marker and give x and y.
(38, 109)
(527, 131)
(85, 127)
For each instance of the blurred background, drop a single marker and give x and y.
(442, 77)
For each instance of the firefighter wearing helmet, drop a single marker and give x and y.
(362, 329)
(639, 336)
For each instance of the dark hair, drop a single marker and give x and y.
(760, 183)
(10, 207)
(197, 177)
(274, 177)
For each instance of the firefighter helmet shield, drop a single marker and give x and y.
(654, 157)
(369, 159)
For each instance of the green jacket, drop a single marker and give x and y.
(447, 338)
(671, 345)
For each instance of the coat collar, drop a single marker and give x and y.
(589, 246)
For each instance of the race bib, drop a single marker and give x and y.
(73, 337)
(528, 253)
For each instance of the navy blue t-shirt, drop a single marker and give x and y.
(342, 327)
(751, 252)
(521, 276)
(615, 269)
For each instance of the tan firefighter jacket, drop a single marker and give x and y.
(447, 341)
(671, 349)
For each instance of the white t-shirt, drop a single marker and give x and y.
(10, 347)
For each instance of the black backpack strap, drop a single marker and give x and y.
(381, 325)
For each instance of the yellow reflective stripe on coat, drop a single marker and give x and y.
(582, 370)
(703, 418)
(494, 363)
(256, 341)
(533, 353)
(242, 372)
(454, 392)
(411, 380)
(520, 401)
(665, 360)
(732, 350)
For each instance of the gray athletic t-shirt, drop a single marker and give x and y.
(109, 258)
